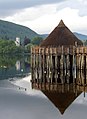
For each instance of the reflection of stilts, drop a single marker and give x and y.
(62, 95)
(47, 64)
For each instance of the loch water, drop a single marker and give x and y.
(14, 66)
(67, 92)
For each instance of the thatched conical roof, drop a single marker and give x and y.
(61, 35)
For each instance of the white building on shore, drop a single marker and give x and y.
(17, 42)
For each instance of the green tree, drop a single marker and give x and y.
(28, 48)
(9, 47)
(37, 40)
(26, 41)
(85, 43)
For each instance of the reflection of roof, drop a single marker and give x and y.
(59, 97)
(61, 35)
(61, 100)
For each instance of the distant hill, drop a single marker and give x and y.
(10, 30)
(44, 35)
(80, 36)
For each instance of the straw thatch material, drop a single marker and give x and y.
(61, 35)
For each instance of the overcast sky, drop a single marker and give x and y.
(43, 16)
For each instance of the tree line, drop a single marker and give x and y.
(9, 46)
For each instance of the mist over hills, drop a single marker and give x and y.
(9, 30)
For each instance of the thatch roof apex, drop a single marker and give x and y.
(61, 24)
(61, 36)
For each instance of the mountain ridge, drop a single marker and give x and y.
(80, 36)
(13, 30)
(9, 30)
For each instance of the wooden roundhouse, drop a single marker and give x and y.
(60, 51)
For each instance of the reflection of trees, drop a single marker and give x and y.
(13, 66)
(17, 65)
(8, 61)
(27, 59)
(27, 62)
(23, 63)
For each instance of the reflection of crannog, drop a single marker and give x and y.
(62, 88)
(81, 80)
(18, 65)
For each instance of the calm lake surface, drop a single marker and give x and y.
(14, 66)
(66, 100)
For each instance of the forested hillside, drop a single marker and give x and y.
(10, 30)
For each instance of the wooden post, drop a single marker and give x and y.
(40, 64)
(77, 58)
(62, 60)
(86, 61)
(31, 64)
(34, 64)
(86, 56)
(67, 62)
(55, 58)
(73, 65)
(44, 66)
(47, 60)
